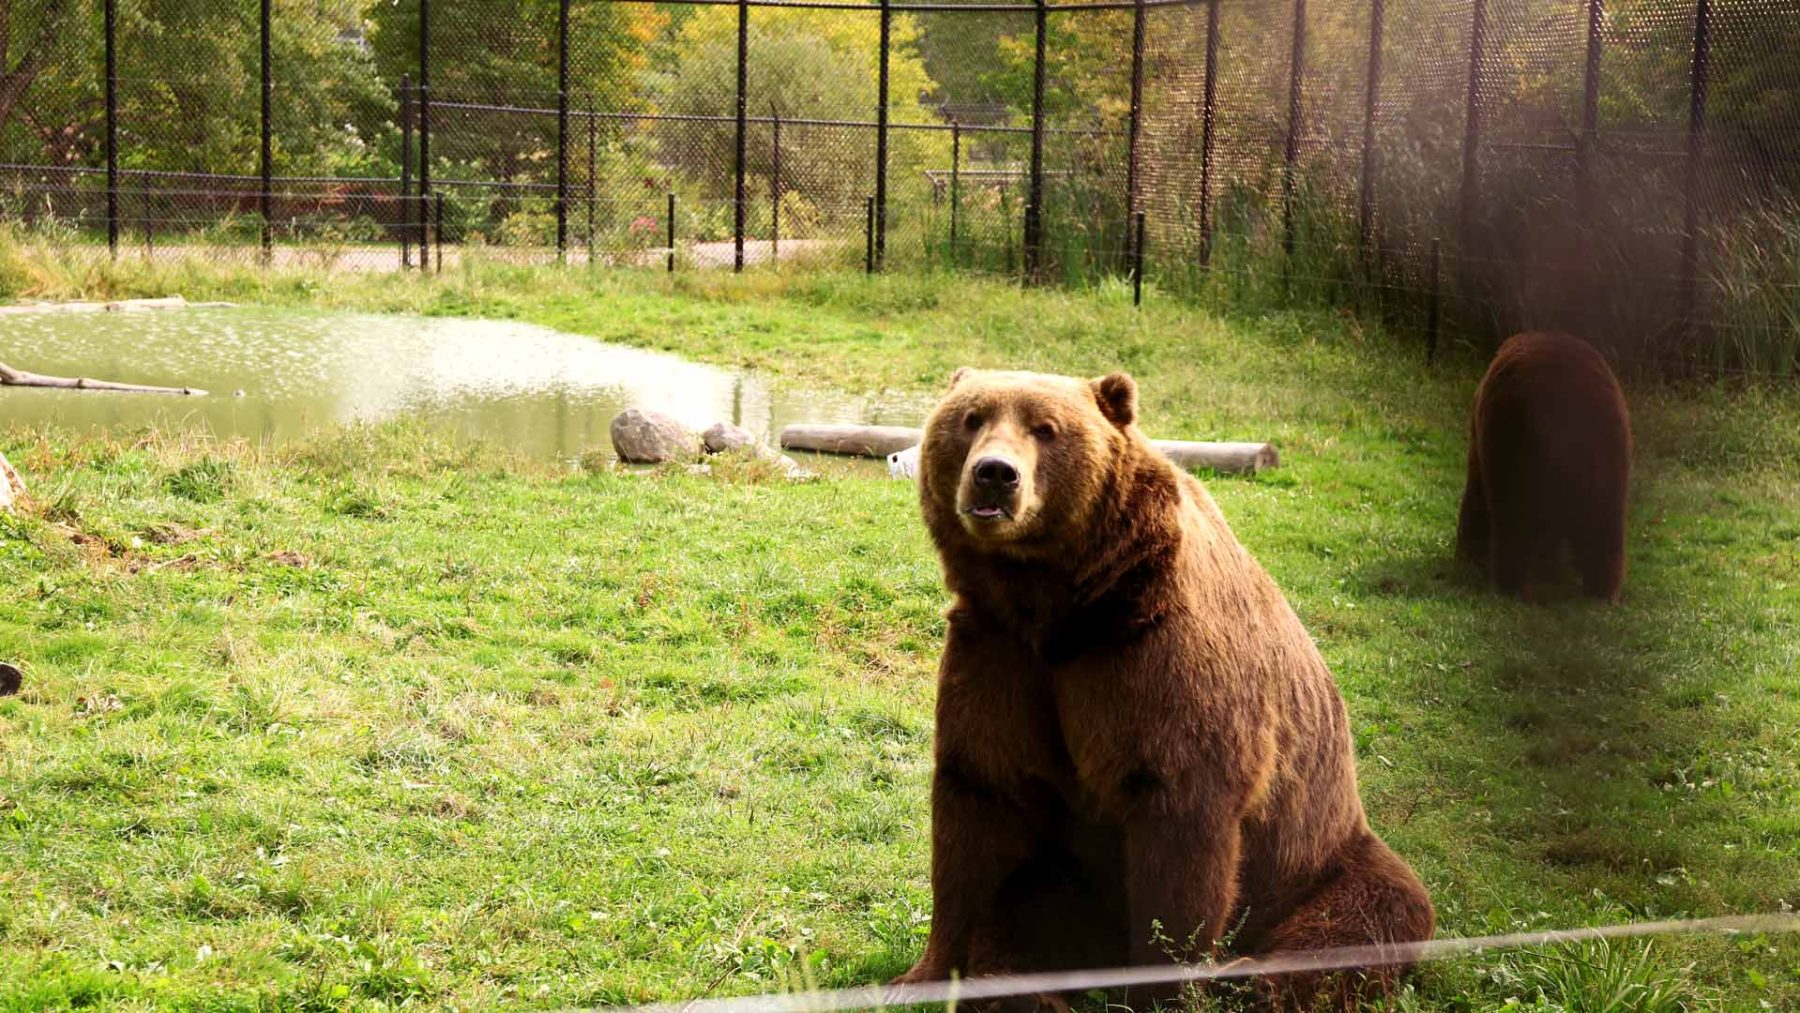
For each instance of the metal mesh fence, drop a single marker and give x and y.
(1625, 168)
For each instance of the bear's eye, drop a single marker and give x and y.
(972, 421)
(1044, 431)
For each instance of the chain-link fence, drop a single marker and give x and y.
(1629, 169)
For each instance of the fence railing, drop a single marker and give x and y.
(1440, 164)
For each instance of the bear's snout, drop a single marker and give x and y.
(996, 474)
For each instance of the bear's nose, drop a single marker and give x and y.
(996, 473)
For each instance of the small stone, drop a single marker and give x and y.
(647, 437)
(722, 436)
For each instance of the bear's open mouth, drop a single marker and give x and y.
(989, 513)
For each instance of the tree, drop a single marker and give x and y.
(802, 64)
(504, 52)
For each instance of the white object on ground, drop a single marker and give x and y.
(904, 463)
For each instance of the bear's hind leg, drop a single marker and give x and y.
(1599, 553)
(1375, 899)
(1472, 522)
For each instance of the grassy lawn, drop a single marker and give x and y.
(379, 719)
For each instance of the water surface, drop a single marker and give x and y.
(540, 391)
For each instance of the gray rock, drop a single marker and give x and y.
(646, 437)
(722, 436)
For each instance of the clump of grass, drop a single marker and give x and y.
(204, 481)
(1600, 977)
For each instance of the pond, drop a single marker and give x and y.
(539, 391)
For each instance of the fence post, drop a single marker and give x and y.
(593, 192)
(869, 235)
(562, 131)
(743, 60)
(424, 112)
(267, 161)
(1590, 111)
(1034, 201)
(955, 182)
(1365, 211)
(112, 128)
(1291, 156)
(1433, 313)
(437, 231)
(1137, 262)
(1134, 128)
(1471, 167)
(407, 211)
(671, 221)
(1209, 108)
(881, 139)
(1698, 79)
(775, 191)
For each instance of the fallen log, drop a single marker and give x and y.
(880, 441)
(10, 377)
(854, 441)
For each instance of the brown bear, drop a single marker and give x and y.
(1549, 466)
(1139, 750)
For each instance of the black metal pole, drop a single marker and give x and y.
(437, 231)
(1209, 108)
(869, 235)
(881, 139)
(112, 128)
(593, 183)
(424, 112)
(1137, 262)
(1471, 167)
(1590, 110)
(955, 182)
(1291, 156)
(775, 192)
(671, 221)
(1699, 77)
(562, 130)
(1433, 313)
(267, 161)
(1137, 109)
(1034, 216)
(407, 212)
(743, 66)
(1365, 210)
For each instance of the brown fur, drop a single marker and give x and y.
(1132, 725)
(1549, 466)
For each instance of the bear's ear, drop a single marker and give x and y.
(962, 373)
(1117, 395)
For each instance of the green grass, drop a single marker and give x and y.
(379, 719)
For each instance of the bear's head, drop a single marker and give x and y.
(1016, 463)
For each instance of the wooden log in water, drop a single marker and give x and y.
(880, 441)
(10, 377)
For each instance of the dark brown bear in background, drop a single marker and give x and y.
(1549, 465)
(1138, 749)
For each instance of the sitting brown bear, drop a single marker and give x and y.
(1549, 466)
(1139, 750)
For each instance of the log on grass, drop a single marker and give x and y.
(880, 441)
(10, 377)
(855, 441)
